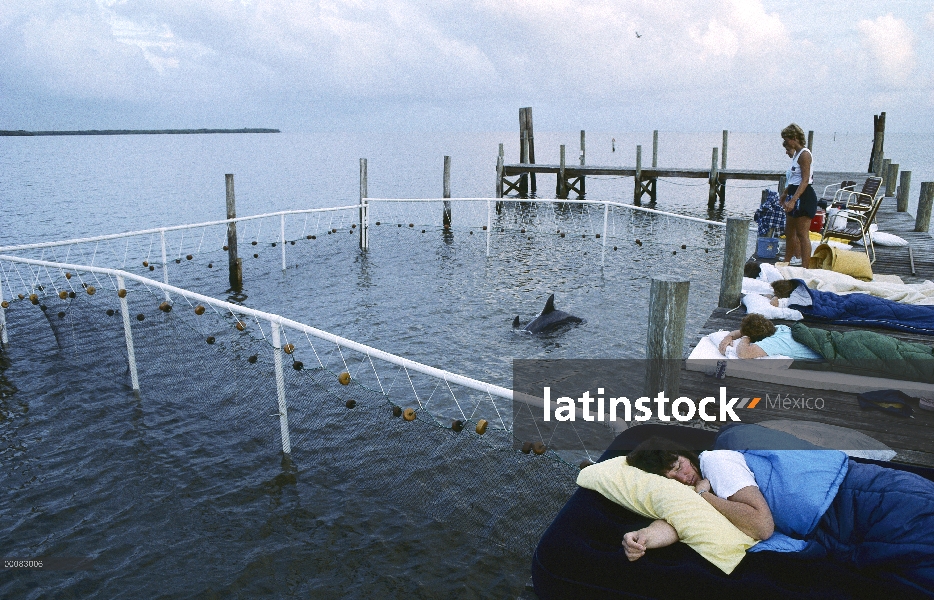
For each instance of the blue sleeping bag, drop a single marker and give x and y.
(825, 505)
(867, 310)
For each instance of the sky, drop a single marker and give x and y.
(466, 65)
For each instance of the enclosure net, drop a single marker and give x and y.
(212, 371)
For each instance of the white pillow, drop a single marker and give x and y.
(882, 238)
(756, 286)
(768, 273)
(761, 305)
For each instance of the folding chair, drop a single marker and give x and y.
(861, 200)
(858, 231)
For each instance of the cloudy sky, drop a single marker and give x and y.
(469, 65)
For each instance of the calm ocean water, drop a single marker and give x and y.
(182, 492)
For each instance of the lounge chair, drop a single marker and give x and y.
(860, 229)
(861, 200)
(832, 191)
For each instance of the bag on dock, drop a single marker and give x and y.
(770, 216)
(854, 264)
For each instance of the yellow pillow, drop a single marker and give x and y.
(699, 525)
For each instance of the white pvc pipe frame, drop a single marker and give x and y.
(275, 321)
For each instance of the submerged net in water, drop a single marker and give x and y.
(456, 510)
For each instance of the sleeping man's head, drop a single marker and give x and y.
(664, 457)
(756, 327)
(784, 287)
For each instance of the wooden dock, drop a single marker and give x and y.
(912, 438)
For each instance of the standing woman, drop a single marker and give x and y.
(798, 199)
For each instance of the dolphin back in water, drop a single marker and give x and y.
(550, 318)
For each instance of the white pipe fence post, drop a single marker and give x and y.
(280, 388)
(165, 265)
(606, 216)
(128, 333)
(489, 225)
(282, 238)
(4, 338)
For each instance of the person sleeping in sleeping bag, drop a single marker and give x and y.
(721, 477)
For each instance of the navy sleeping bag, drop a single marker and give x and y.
(866, 310)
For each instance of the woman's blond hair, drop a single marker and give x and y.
(794, 132)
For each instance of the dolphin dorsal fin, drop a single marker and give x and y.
(515, 322)
(550, 305)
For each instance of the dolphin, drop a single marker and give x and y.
(549, 319)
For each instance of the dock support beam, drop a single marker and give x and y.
(561, 189)
(581, 184)
(904, 189)
(235, 263)
(664, 346)
(726, 135)
(364, 209)
(811, 140)
(446, 193)
(655, 149)
(714, 181)
(891, 178)
(734, 258)
(526, 151)
(925, 201)
(878, 136)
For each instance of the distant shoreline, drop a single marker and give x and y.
(4, 132)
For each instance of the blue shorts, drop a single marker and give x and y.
(807, 202)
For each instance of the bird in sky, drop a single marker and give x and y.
(637, 35)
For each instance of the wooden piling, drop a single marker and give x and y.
(664, 346)
(925, 200)
(714, 176)
(235, 263)
(726, 135)
(446, 193)
(527, 143)
(904, 189)
(884, 170)
(782, 184)
(811, 140)
(637, 193)
(561, 190)
(655, 149)
(581, 184)
(734, 258)
(524, 159)
(364, 209)
(891, 177)
(878, 136)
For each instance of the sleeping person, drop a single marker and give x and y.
(810, 501)
(727, 484)
(758, 337)
(852, 309)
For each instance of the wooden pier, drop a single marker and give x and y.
(911, 438)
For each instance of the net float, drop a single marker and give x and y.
(152, 268)
(481, 426)
(288, 348)
(188, 257)
(140, 317)
(408, 414)
(526, 447)
(110, 312)
(199, 310)
(5, 304)
(121, 293)
(344, 378)
(67, 275)
(165, 307)
(539, 448)
(252, 359)
(298, 365)
(61, 314)
(210, 339)
(253, 242)
(21, 296)
(145, 263)
(63, 294)
(396, 411)
(240, 326)
(226, 248)
(350, 403)
(34, 298)
(457, 425)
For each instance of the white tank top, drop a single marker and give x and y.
(793, 175)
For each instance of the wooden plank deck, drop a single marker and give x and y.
(913, 438)
(647, 172)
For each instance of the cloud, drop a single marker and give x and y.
(891, 43)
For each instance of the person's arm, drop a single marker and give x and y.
(746, 509)
(744, 349)
(727, 340)
(657, 535)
